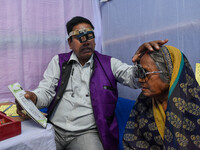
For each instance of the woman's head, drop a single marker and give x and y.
(156, 81)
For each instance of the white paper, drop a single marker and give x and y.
(27, 104)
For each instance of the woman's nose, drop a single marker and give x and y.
(142, 80)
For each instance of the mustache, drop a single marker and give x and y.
(85, 47)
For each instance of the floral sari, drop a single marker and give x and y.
(182, 122)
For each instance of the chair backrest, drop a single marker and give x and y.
(122, 112)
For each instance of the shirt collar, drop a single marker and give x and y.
(73, 57)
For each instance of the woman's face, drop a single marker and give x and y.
(152, 85)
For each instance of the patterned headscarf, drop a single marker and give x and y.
(182, 125)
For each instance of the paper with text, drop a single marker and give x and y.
(27, 104)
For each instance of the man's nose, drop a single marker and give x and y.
(86, 43)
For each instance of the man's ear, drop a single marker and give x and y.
(69, 42)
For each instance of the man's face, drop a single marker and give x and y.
(83, 50)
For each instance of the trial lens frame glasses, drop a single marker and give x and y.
(141, 73)
(83, 35)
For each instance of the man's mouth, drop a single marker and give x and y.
(86, 49)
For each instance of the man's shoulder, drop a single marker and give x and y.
(102, 55)
(64, 56)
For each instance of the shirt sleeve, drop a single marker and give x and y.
(124, 73)
(46, 90)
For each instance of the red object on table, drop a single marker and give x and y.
(8, 127)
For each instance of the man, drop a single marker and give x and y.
(80, 89)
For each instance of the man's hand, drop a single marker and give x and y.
(153, 45)
(28, 95)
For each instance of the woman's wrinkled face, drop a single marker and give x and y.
(152, 85)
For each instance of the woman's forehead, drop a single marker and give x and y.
(147, 61)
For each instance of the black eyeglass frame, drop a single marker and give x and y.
(85, 35)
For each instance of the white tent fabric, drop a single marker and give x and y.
(32, 32)
(126, 24)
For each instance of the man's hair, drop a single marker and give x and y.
(75, 21)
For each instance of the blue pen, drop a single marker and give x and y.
(7, 108)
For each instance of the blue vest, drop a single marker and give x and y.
(103, 92)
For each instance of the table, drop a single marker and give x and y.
(32, 137)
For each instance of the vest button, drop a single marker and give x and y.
(64, 67)
(62, 82)
(57, 97)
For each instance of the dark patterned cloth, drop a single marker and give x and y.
(182, 126)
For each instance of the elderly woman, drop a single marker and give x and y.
(167, 112)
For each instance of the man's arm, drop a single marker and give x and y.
(45, 92)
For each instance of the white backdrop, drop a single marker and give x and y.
(32, 32)
(127, 24)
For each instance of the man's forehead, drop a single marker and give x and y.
(81, 26)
